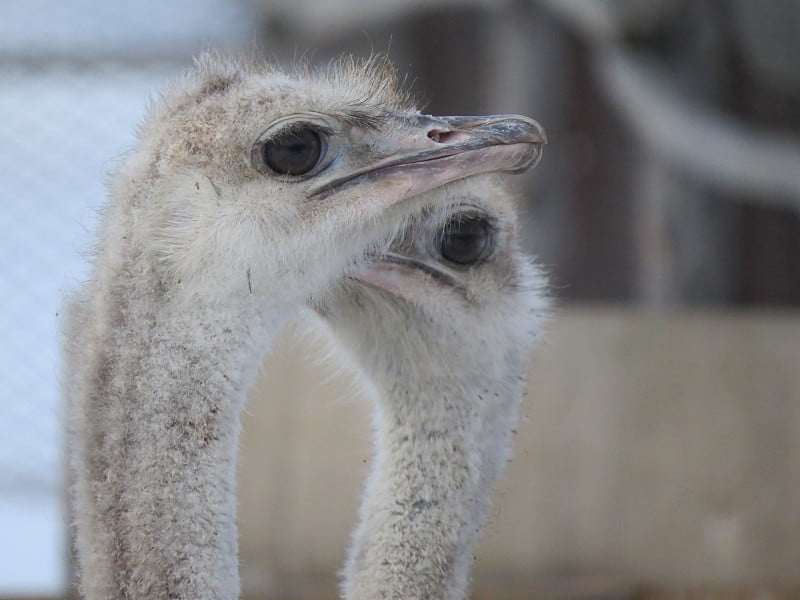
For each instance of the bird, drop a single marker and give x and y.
(250, 192)
(441, 323)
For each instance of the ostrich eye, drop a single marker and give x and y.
(294, 152)
(465, 240)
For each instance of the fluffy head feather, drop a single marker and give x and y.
(205, 217)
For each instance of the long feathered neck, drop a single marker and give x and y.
(443, 425)
(155, 386)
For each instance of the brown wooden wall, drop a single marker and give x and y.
(651, 451)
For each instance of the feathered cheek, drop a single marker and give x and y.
(200, 240)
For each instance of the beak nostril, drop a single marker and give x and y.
(442, 136)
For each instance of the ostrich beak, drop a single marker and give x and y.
(423, 152)
(399, 275)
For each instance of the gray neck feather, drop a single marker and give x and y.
(440, 448)
(154, 402)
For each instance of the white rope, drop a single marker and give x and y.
(706, 144)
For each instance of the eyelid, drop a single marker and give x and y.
(292, 127)
(470, 212)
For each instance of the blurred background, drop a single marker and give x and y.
(657, 454)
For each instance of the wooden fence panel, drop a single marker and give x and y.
(652, 449)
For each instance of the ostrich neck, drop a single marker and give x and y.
(440, 447)
(155, 415)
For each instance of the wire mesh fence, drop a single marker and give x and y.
(75, 80)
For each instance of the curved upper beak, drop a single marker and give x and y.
(423, 152)
(396, 273)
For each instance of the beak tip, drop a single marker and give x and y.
(539, 134)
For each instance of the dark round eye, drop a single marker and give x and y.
(293, 152)
(465, 240)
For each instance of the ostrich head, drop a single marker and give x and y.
(454, 282)
(262, 174)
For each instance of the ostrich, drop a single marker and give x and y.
(249, 194)
(442, 323)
